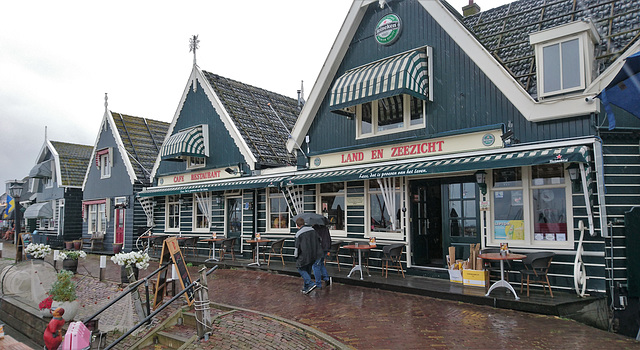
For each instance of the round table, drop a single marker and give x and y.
(257, 243)
(502, 282)
(359, 247)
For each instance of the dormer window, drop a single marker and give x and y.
(195, 162)
(564, 57)
(389, 115)
(104, 161)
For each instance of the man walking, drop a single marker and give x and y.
(308, 252)
(320, 271)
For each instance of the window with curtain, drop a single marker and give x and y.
(97, 220)
(390, 115)
(202, 211)
(278, 210)
(384, 205)
(332, 204)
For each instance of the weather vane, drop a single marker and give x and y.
(193, 46)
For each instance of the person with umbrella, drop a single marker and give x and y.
(308, 252)
(325, 239)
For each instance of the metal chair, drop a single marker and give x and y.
(392, 254)
(333, 252)
(228, 245)
(536, 267)
(276, 249)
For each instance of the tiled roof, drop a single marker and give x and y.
(73, 162)
(504, 30)
(142, 138)
(248, 108)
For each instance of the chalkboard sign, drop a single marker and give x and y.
(171, 250)
(21, 243)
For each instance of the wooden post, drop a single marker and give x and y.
(202, 305)
(137, 303)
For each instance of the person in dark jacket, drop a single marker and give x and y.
(325, 239)
(308, 251)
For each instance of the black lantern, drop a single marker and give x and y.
(574, 175)
(481, 179)
(15, 190)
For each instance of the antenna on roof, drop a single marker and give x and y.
(193, 46)
(301, 95)
(285, 127)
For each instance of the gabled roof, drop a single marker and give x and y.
(72, 162)
(248, 108)
(504, 31)
(142, 139)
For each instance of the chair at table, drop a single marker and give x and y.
(493, 266)
(156, 243)
(188, 244)
(333, 253)
(228, 246)
(392, 254)
(536, 269)
(276, 249)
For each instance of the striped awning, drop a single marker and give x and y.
(401, 74)
(41, 170)
(188, 142)
(490, 161)
(248, 183)
(39, 210)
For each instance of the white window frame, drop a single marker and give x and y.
(172, 200)
(195, 162)
(528, 215)
(105, 165)
(319, 195)
(197, 213)
(97, 212)
(586, 34)
(273, 193)
(48, 181)
(397, 234)
(406, 112)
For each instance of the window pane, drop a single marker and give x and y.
(366, 127)
(547, 174)
(570, 64)
(390, 113)
(508, 177)
(469, 190)
(508, 215)
(333, 209)
(470, 229)
(470, 209)
(279, 212)
(551, 67)
(417, 117)
(550, 214)
(454, 191)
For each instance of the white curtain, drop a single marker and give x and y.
(388, 188)
(203, 204)
(295, 199)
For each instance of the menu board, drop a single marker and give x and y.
(171, 250)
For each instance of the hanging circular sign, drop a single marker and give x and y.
(388, 29)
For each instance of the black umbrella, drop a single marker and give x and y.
(312, 219)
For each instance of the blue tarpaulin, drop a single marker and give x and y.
(624, 90)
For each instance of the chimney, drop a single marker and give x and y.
(470, 9)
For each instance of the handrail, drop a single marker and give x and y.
(132, 287)
(162, 307)
(579, 270)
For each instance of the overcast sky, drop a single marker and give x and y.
(59, 58)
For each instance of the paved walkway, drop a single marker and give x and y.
(366, 318)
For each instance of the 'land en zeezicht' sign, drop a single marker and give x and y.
(388, 29)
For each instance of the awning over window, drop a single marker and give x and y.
(491, 161)
(402, 74)
(41, 170)
(255, 182)
(189, 142)
(39, 210)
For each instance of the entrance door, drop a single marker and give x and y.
(119, 236)
(444, 212)
(234, 219)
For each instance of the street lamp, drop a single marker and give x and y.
(15, 190)
(481, 179)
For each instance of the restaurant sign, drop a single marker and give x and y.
(196, 176)
(388, 29)
(414, 149)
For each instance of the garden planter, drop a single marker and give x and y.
(70, 265)
(68, 245)
(70, 308)
(117, 247)
(123, 274)
(77, 245)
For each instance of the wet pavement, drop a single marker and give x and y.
(367, 318)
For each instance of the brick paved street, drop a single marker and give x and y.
(365, 318)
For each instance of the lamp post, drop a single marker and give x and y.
(15, 190)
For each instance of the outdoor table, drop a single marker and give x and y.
(212, 253)
(257, 248)
(359, 247)
(502, 282)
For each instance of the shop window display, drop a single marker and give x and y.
(332, 200)
(278, 210)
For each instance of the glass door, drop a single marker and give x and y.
(460, 215)
(426, 223)
(234, 219)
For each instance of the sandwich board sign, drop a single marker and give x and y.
(171, 250)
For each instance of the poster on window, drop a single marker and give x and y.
(509, 229)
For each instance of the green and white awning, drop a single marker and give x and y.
(401, 74)
(188, 142)
(450, 165)
(247, 183)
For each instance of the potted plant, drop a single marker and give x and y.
(77, 244)
(37, 251)
(70, 258)
(131, 263)
(63, 294)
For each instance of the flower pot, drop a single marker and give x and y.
(68, 245)
(117, 247)
(123, 274)
(70, 265)
(70, 308)
(77, 245)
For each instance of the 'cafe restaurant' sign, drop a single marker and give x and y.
(414, 149)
